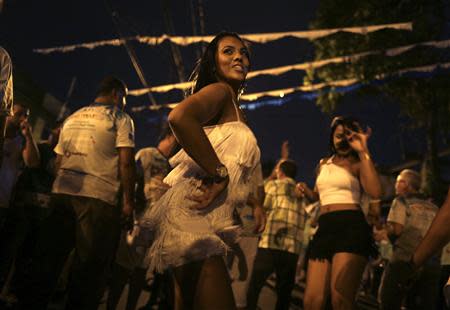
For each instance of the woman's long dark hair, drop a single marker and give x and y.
(347, 122)
(205, 71)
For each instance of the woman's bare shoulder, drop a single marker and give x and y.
(324, 160)
(321, 163)
(218, 89)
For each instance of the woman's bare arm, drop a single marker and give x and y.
(187, 121)
(368, 175)
(188, 118)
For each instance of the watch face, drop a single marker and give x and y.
(222, 171)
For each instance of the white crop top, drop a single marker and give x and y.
(336, 185)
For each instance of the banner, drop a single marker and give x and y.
(311, 88)
(302, 66)
(256, 38)
(340, 83)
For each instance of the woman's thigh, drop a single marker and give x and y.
(204, 285)
(346, 273)
(186, 278)
(214, 286)
(317, 284)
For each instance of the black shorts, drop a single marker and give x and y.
(342, 231)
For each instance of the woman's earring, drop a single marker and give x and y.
(242, 89)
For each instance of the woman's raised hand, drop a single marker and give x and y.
(358, 140)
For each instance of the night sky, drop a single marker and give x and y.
(25, 25)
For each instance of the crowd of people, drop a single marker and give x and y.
(82, 215)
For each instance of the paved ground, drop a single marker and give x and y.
(267, 298)
(266, 301)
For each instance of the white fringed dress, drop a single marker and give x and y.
(183, 234)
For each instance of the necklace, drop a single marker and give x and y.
(239, 111)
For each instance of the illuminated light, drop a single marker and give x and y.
(313, 94)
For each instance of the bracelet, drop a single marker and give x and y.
(364, 156)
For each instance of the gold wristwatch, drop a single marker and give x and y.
(221, 173)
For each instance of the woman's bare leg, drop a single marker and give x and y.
(214, 286)
(186, 278)
(317, 284)
(203, 285)
(346, 273)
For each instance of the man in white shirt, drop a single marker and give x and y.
(408, 221)
(95, 158)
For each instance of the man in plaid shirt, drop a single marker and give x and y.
(280, 243)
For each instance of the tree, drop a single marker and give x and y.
(424, 97)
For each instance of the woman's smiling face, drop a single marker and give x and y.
(232, 61)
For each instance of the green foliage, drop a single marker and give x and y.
(427, 19)
(425, 100)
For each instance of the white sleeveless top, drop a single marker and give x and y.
(183, 234)
(336, 185)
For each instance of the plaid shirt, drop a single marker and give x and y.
(285, 217)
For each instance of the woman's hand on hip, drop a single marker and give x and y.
(209, 191)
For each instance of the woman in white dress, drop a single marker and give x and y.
(193, 220)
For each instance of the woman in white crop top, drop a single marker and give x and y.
(193, 220)
(343, 242)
